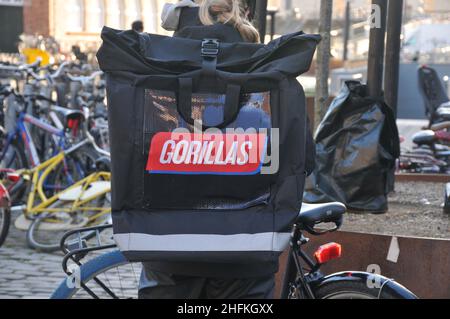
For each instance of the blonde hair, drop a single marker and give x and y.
(228, 11)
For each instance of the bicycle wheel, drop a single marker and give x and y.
(119, 276)
(46, 231)
(5, 220)
(15, 157)
(350, 290)
(85, 159)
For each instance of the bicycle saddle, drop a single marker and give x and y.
(103, 164)
(313, 214)
(443, 112)
(68, 113)
(426, 137)
(445, 105)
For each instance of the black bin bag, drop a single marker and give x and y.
(357, 145)
(208, 145)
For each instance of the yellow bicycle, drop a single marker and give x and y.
(46, 218)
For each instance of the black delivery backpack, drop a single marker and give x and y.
(209, 145)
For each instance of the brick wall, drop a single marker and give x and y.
(36, 18)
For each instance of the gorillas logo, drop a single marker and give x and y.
(209, 154)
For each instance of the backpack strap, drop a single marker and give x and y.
(231, 108)
(209, 52)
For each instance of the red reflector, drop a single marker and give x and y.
(4, 196)
(328, 252)
(70, 123)
(13, 177)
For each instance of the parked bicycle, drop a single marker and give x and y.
(45, 217)
(110, 275)
(30, 139)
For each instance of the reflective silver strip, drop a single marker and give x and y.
(190, 243)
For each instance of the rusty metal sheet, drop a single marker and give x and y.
(432, 178)
(423, 265)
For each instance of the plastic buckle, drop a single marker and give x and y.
(210, 48)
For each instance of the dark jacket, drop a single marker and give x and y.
(191, 27)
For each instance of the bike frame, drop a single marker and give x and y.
(295, 277)
(297, 280)
(37, 177)
(23, 132)
(58, 134)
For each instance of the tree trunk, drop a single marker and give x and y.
(323, 60)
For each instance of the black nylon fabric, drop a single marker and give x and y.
(153, 55)
(144, 73)
(357, 145)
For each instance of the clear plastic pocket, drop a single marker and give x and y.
(212, 169)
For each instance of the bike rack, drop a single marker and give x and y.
(78, 249)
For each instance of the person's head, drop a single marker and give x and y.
(138, 26)
(228, 11)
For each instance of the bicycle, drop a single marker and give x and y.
(431, 155)
(24, 113)
(92, 98)
(19, 146)
(83, 203)
(110, 275)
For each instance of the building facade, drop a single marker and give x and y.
(360, 8)
(80, 21)
(11, 24)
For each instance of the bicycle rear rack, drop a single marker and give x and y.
(78, 249)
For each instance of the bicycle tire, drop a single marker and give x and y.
(87, 157)
(34, 243)
(4, 224)
(17, 146)
(89, 270)
(19, 149)
(351, 290)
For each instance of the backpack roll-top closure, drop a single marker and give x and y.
(150, 54)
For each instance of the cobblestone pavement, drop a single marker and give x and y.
(26, 273)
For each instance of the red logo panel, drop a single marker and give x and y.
(211, 154)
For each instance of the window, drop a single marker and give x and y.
(74, 15)
(133, 12)
(95, 15)
(114, 14)
(151, 17)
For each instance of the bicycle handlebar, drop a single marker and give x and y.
(49, 77)
(60, 70)
(84, 79)
(21, 68)
(30, 69)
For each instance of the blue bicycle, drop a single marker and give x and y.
(28, 140)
